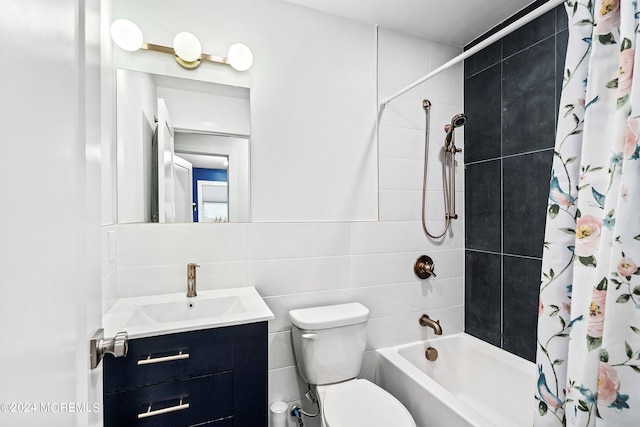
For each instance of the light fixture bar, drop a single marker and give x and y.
(186, 49)
(187, 65)
(158, 48)
(170, 50)
(217, 59)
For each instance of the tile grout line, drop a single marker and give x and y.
(555, 32)
(501, 198)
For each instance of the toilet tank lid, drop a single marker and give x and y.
(330, 316)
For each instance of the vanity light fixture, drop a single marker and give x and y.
(186, 49)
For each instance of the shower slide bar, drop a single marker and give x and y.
(489, 40)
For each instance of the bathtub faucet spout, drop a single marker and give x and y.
(435, 324)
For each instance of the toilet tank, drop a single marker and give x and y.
(329, 341)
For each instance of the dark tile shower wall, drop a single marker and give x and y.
(512, 90)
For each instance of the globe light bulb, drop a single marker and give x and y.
(240, 57)
(126, 35)
(187, 46)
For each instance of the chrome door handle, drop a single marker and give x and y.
(117, 346)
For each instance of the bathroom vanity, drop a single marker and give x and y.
(215, 375)
(190, 371)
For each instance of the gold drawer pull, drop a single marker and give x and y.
(151, 413)
(150, 361)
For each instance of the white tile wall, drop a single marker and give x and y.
(299, 275)
(402, 60)
(401, 143)
(171, 278)
(281, 305)
(296, 265)
(286, 240)
(390, 300)
(401, 174)
(146, 245)
(399, 205)
(404, 49)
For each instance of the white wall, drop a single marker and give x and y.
(402, 60)
(208, 112)
(296, 264)
(313, 110)
(137, 106)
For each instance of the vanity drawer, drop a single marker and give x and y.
(179, 403)
(170, 357)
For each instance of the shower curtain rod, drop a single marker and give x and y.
(489, 40)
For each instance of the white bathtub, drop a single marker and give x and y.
(472, 383)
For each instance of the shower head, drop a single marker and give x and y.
(426, 104)
(458, 120)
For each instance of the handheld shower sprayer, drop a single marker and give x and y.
(449, 148)
(456, 121)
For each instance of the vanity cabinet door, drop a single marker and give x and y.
(250, 383)
(179, 403)
(224, 379)
(170, 357)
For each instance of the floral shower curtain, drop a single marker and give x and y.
(588, 357)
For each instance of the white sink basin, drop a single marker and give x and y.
(191, 308)
(171, 313)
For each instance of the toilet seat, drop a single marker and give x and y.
(360, 403)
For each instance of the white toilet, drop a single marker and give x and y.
(329, 345)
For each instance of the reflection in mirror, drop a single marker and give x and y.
(182, 149)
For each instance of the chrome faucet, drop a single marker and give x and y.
(191, 280)
(435, 324)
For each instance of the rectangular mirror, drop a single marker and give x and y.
(182, 150)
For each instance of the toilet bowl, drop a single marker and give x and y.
(360, 403)
(329, 345)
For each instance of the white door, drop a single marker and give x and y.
(166, 171)
(183, 171)
(50, 299)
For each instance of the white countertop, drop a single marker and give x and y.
(128, 314)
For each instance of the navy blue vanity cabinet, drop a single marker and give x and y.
(216, 377)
